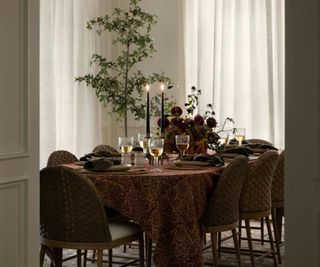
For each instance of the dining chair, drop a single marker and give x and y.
(60, 157)
(255, 202)
(222, 213)
(72, 216)
(277, 197)
(104, 148)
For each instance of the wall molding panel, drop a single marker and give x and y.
(14, 141)
(12, 245)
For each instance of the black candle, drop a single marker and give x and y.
(162, 109)
(148, 112)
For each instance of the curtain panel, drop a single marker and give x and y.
(70, 114)
(234, 53)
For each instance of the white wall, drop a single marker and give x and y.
(168, 58)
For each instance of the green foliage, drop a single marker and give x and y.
(116, 82)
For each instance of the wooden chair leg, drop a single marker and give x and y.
(219, 245)
(262, 231)
(275, 262)
(236, 246)
(141, 251)
(279, 216)
(57, 252)
(149, 250)
(110, 257)
(214, 249)
(85, 256)
(100, 258)
(93, 255)
(42, 253)
(239, 232)
(124, 248)
(78, 257)
(276, 234)
(248, 230)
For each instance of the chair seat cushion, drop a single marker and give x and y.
(119, 230)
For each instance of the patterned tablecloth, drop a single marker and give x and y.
(168, 205)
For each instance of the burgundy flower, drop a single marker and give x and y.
(166, 122)
(176, 111)
(183, 127)
(198, 120)
(189, 122)
(211, 122)
(176, 121)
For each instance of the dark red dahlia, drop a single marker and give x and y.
(183, 127)
(211, 122)
(176, 121)
(189, 122)
(198, 120)
(166, 122)
(176, 111)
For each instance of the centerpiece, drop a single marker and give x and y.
(200, 128)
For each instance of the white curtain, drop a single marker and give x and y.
(234, 52)
(70, 115)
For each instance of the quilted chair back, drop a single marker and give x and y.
(223, 207)
(70, 208)
(256, 193)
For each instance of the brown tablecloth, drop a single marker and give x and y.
(168, 206)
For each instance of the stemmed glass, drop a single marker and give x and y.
(143, 142)
(156, 149)
(126, 145)
(182, 143)
(223, 137)
(239, 135)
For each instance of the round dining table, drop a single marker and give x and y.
(168, 205)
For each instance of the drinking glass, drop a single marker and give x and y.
(182, 143)
(224, 137)
(143, 142)
(239, 134)
(126, 144)
(155, 146)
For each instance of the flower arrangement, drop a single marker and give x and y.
(200, 128)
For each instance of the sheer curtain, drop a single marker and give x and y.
(70, 115)
(234, 52)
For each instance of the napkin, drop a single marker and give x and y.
(241, 150)
(211, 159)
(115, 158)
(260, 146)
(102, 164)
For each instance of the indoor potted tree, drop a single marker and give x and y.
(117, 82)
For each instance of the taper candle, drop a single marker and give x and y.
(148, 112)
(162, 109)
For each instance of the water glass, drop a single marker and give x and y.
(126, 144)
(155, 146)
(182, 143)
(239, 135)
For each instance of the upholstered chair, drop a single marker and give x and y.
(222, 213)
(60, 157)
(72, 216)
(256, 198)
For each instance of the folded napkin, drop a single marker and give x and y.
(211, 159)
(235, 142)
(260, 146)
(115, 158)
(241, 150)
(97, 165)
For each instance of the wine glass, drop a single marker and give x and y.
(182, 143)
(155, 146)
(239, 134)
(126, 144)
(143, 142)
(223, 137)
